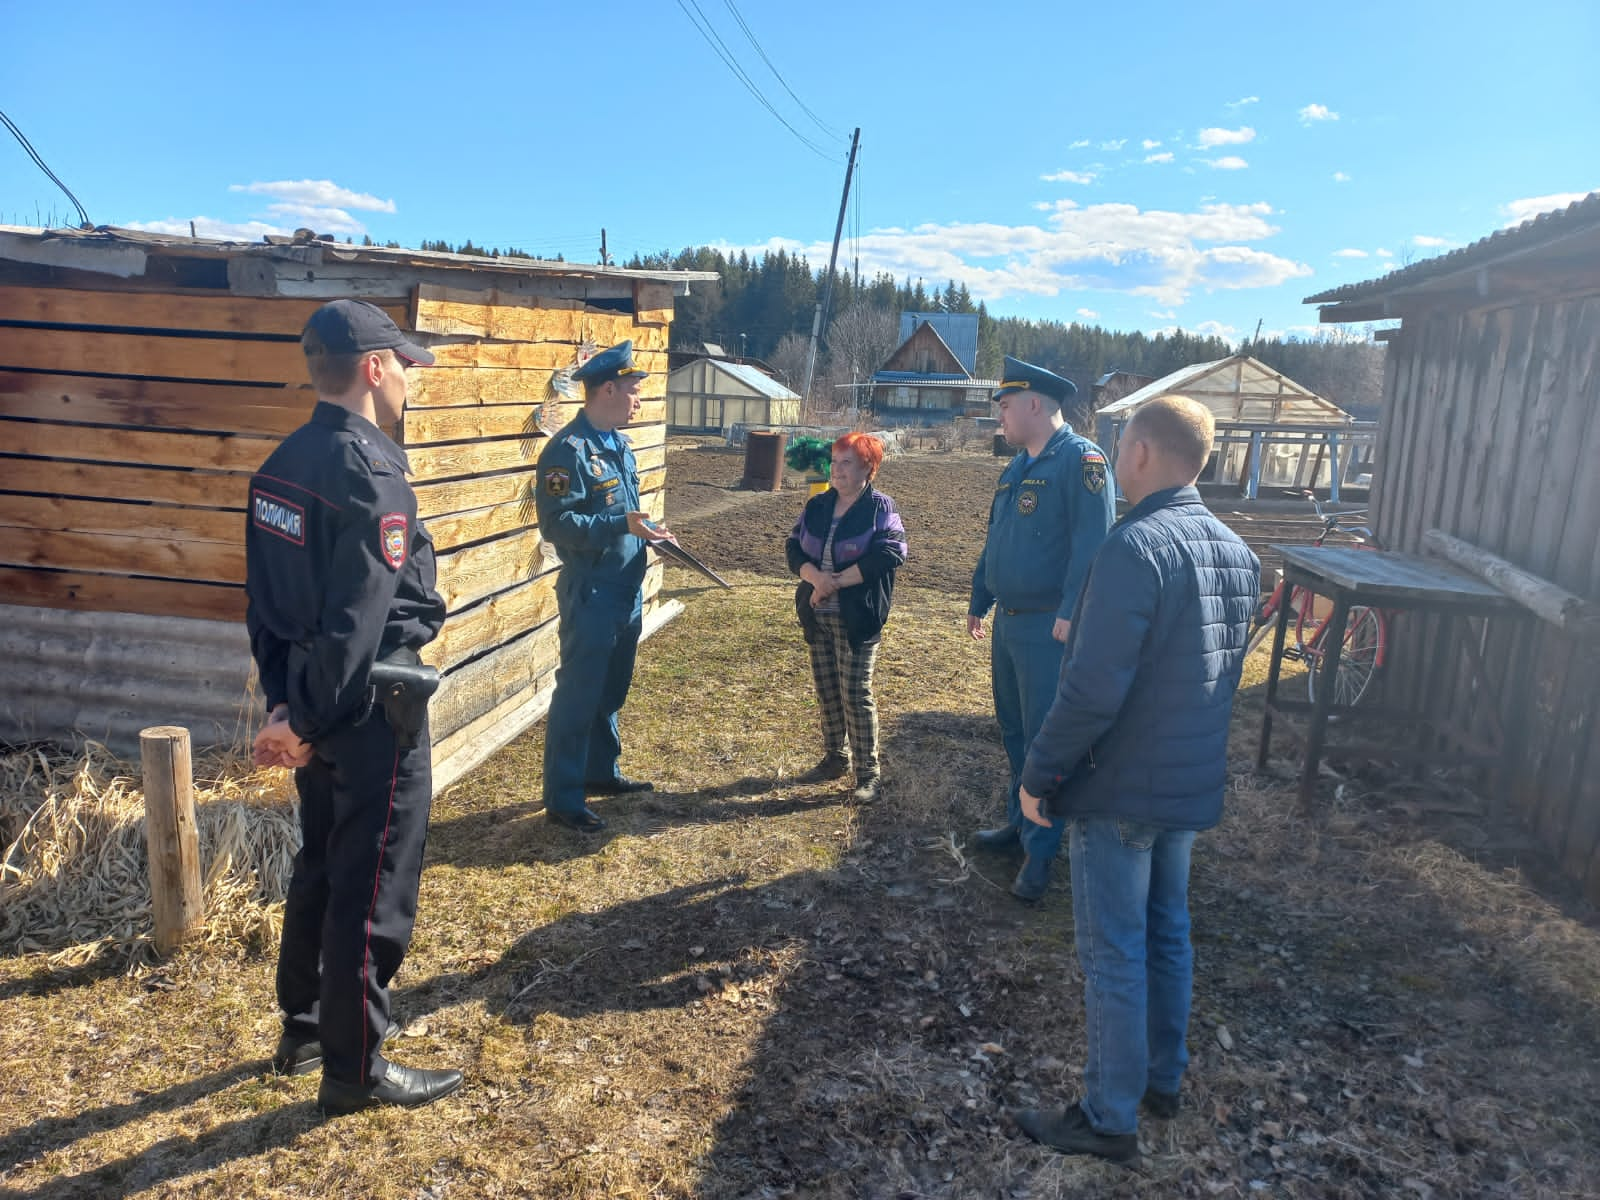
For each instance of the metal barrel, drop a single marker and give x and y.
(763, 462)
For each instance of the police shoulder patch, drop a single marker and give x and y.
(557, 481)
(392, 537)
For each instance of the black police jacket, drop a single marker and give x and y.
(339, 570)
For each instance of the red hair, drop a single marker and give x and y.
(865, 447)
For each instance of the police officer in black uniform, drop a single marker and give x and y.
(340, 585)
(589, 510)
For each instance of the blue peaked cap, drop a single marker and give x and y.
(1019, 376)
(614, 363)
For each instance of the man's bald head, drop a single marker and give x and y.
(1181, 430)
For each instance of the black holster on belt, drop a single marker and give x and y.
(402, 684)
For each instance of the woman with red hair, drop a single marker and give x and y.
(845, 548)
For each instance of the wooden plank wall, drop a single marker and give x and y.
(1491, 432)
(130, 423)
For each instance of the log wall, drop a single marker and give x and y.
(130, 422)
(1491, 432)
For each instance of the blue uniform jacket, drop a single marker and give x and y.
(339, 570)
(1139, 726)
(1046, 521)
(585, 491)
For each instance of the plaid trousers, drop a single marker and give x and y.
(843, 677)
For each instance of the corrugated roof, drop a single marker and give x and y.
(912, 379)
(314, 250)
(959, 331)
(1579, 217)
(755, 379)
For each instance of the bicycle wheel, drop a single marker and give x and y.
(1365, 635)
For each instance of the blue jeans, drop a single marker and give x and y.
(1130, 914)
(1025, 668)
(600, 625)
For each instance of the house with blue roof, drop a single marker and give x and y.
(929, 379)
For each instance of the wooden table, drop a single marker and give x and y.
(1393, 582)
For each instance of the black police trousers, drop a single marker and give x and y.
(352, 901)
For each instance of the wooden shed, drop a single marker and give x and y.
(1271, 431)
(1491, 434)
(712, 395)
(144, 377)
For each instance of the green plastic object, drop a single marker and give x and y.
(812, 455)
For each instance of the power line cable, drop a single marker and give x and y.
(54, 178)
(721, 51)
(751, 37)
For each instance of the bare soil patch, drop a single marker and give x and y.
(747, 988)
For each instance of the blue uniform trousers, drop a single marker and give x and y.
(1025, 664)
(352, 898)
(600, 625)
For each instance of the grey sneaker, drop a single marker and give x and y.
(868, 791)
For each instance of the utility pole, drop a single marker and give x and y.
(827, 283)
(605, 259)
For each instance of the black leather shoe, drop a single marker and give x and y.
(620, 786)
(1006, 837)
(585, 820)
(299, 1050)
(1068, 1130)
(1160, 1104)
(407, 1087)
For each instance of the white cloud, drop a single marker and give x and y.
(211, 227)
(1317, 112)
(1069, 177)
(1340, 177)
(1150, 143)
(1088, 314)
(318, 193)
(1228, 162)
(317, 218)
(1164, 314)
(1114, 144)
(1225, 137)
(1079, 144)
(1349, 253)
(1044, 206)
(1382, 253)
(1431, 242)
(1164, 157)
(1215, 329)
(1243, 102)
(1162, 255)
(1518, 211)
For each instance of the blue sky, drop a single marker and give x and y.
(1136, 165)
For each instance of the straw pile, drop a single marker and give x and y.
(74, 879)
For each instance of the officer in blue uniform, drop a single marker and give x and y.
(340, 593)
(589, 510)
(1050, 512)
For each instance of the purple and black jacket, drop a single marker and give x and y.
(870, 536)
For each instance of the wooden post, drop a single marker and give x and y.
(171, 835)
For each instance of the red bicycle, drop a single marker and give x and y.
(1366, 635)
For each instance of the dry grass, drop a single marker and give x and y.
(748, 989)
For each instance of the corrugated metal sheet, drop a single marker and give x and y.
(912, 377)
(752, 377)
(959, 331)
(109, 675)
(1578, 217)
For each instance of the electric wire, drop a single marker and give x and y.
(721, 51)
(40, 163)
(751, 38)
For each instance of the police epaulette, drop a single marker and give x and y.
(576, 442)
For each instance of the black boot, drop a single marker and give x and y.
(1069, 1131)
(406, 1087)
(299, 1050)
